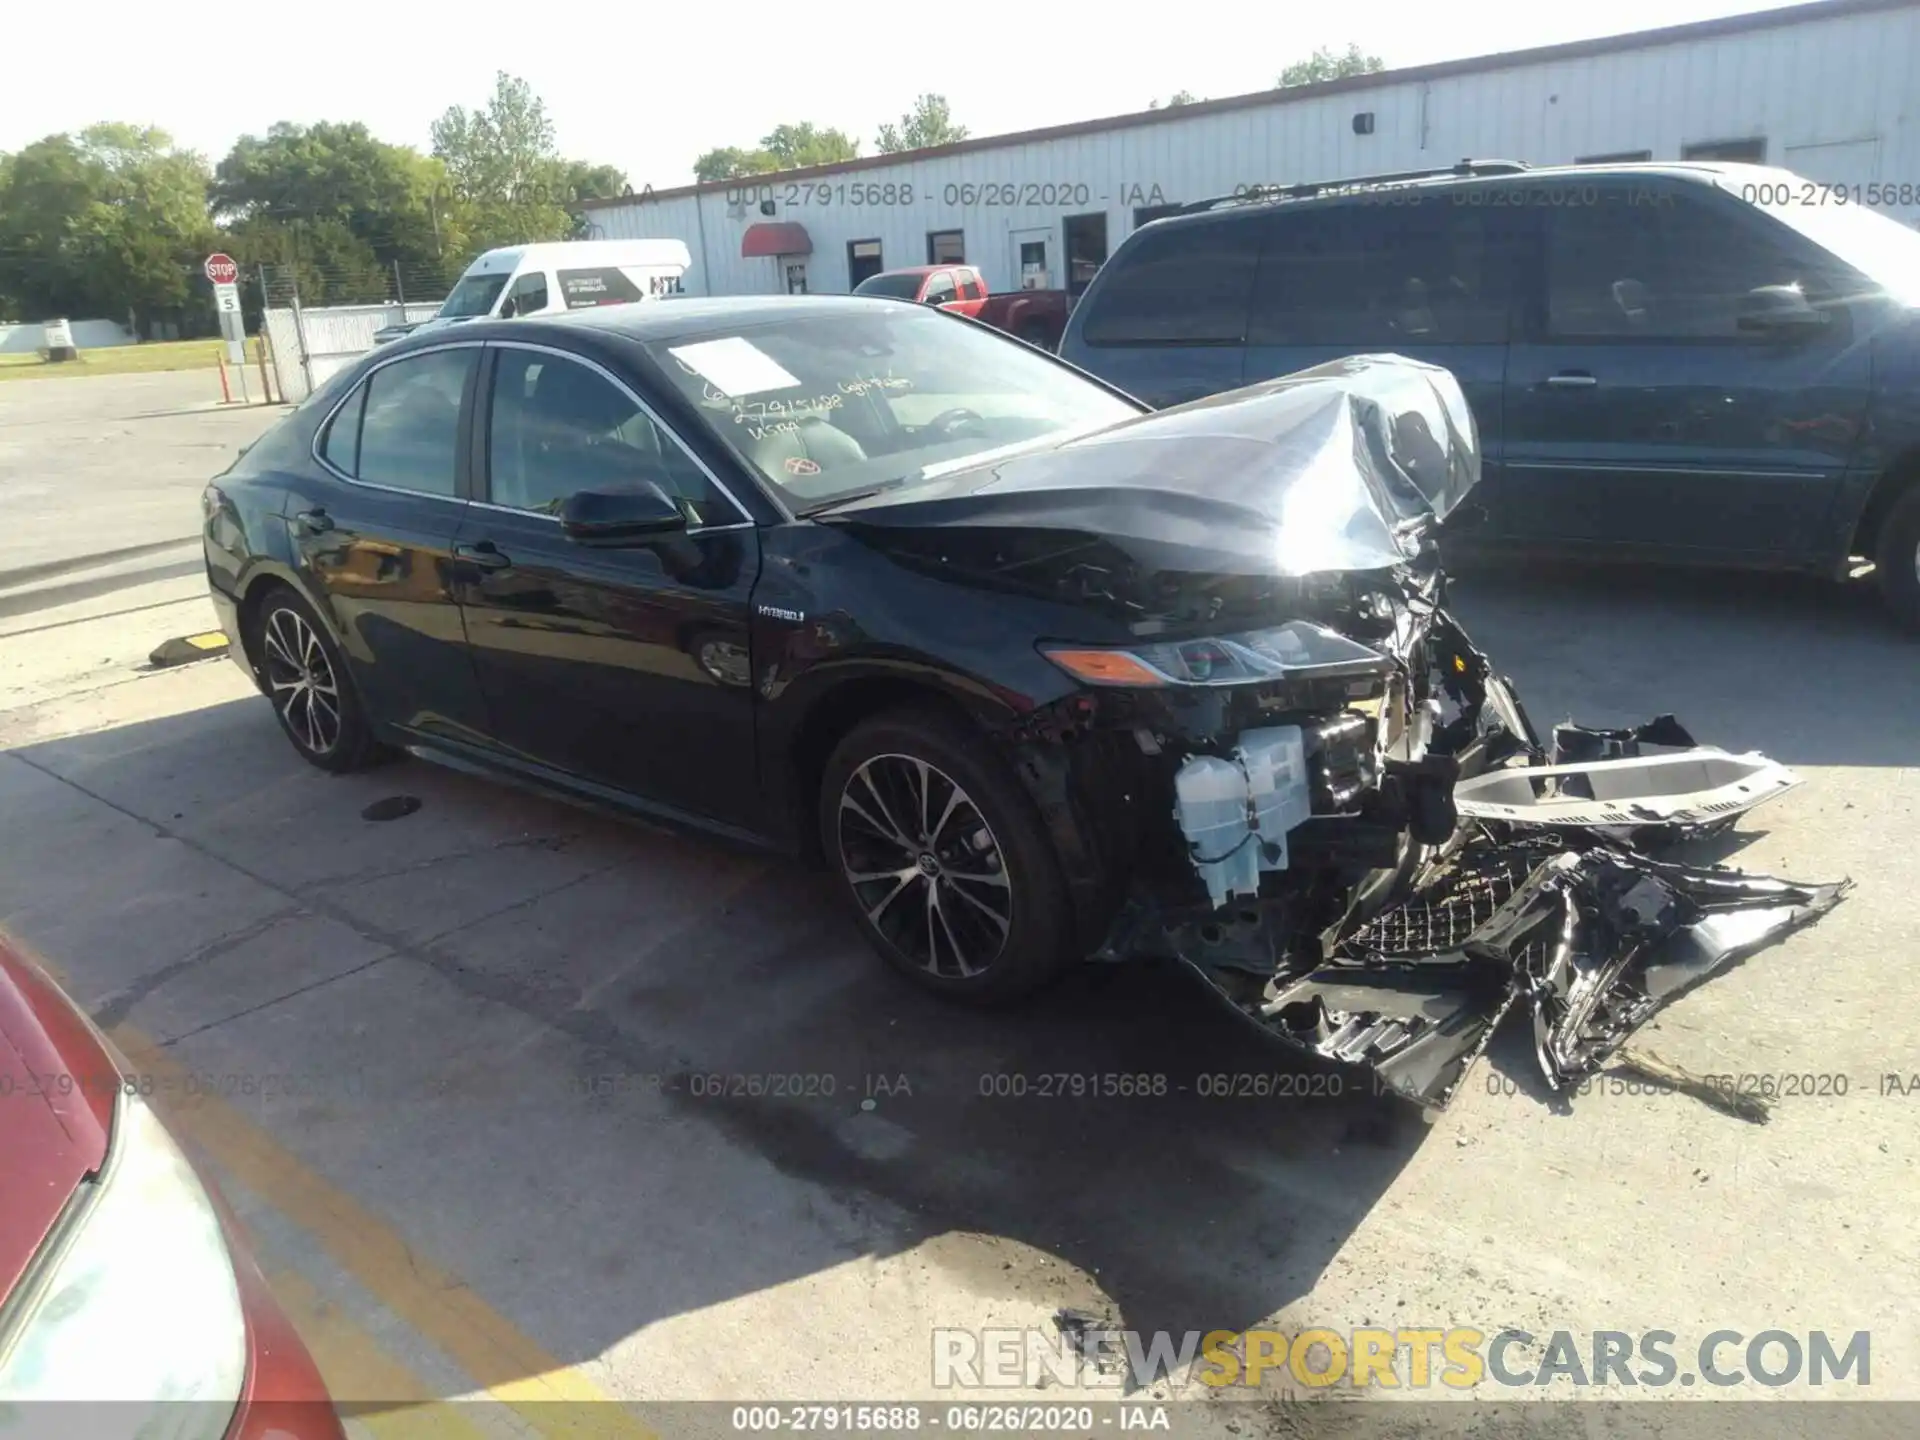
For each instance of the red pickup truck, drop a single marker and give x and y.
(1036, 316)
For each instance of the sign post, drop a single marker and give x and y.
(224, 274)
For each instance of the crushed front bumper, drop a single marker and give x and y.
(1526, 876)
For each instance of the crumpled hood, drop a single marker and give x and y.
(1337, 468)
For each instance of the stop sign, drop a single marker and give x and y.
(222, 270)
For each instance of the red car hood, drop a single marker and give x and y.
(57, 1084)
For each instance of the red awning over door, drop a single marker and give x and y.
(775, 237)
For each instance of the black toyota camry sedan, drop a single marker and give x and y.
(1011, 654)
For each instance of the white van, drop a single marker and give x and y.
(550, 279)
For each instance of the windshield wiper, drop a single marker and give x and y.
(834, 502)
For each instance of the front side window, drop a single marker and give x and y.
(1665, 266)
(410, 422)
(939, 289)
(557, 428)
(1431, 272)
(529, 294)
(823, 406)
(1180, 285)
(474, 295)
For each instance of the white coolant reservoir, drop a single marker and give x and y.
(1211, 807)
(1275, 762)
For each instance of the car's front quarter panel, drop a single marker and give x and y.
(1889, 452)
(831, 611)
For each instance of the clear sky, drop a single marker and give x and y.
(648, 87)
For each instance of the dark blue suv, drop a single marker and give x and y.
(1717, 364)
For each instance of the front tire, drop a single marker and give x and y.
(943, 858)
(1896, 559)
(307, 682)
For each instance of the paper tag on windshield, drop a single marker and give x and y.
(734, 366)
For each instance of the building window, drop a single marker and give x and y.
(1146, 214)
(863, 260)
(946, 247)
(1618, 157)
(1744, 152)
(797, 278)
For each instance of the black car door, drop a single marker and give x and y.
(1649, 407)
(625, 667)
(373, 527)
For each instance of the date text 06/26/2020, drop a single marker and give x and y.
(989, 195)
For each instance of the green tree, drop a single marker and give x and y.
(730, 162)
(929, 123)
(109, 223)
(1323, 64)
(1180, 97)
(796, 146)
(786, 147)
(382, 196)
(506, 176)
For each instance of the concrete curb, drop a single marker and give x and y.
(185, 649)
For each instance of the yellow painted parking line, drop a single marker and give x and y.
(359, 1374)
(554, 1398)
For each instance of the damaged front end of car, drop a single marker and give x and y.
(1297, 774)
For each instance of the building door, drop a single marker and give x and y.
(1027, 252)
(1086, 247)
(863, 260)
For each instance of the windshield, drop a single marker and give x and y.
(896, 286)
(474, 295)
(1878, 247)
(831, 405)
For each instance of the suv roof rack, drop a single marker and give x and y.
(1261, 194)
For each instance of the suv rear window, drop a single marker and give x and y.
(1177, 285)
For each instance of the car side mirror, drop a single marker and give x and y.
(1779, 309)
(507, 307)
(621, 517)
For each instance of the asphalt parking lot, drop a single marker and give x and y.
(522, 1102)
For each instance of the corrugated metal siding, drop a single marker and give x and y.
(1832, 90)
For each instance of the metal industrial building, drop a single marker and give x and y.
(1830, 90)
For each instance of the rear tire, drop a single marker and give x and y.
(1896, 559)
(1037, 335)
(943, 858)
(308, 684)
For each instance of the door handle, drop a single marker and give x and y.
(315, 521)
(482, 553)
(1572, 379)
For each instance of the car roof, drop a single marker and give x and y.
(1699, 172)
(652, 320)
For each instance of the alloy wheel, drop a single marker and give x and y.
(924, 865)
(301, 681)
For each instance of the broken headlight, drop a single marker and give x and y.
(1299, 647)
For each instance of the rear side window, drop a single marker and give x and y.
(410, 431)
(340, 446)
(602, 285)
(1360, 276)
(1179, 285)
